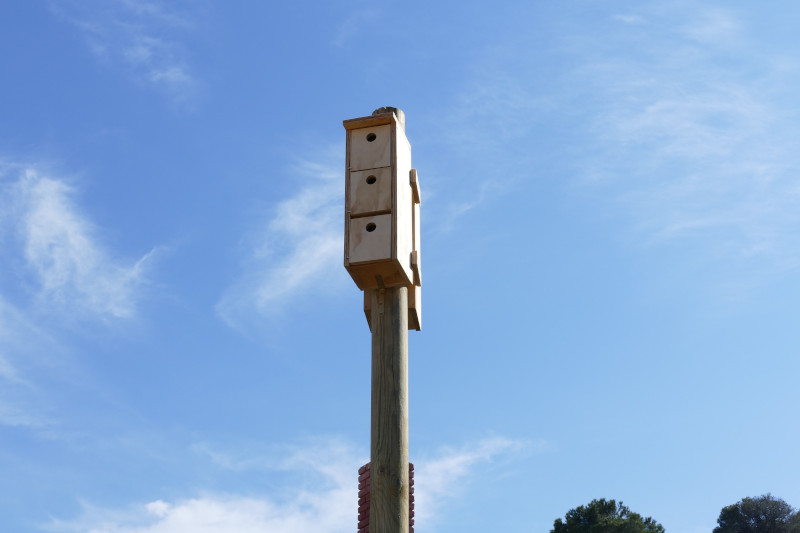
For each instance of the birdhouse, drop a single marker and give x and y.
(382, 207)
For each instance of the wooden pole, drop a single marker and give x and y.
(388, 510)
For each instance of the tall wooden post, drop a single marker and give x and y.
(382, 254)
(389, 506)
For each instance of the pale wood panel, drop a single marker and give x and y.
(370, 147)
(403, 203)
(365, 274)
(375, 245)
(370, 191)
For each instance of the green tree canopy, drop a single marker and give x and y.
(605, 516)
(764, 514)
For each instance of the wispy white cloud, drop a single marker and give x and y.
(697, 130)
(444, 476)
(138, 36)
(630, 19)
(55, 272)
(715, 26)
(13, 328)
(683, 122)
(446, 213)
(215, 514)
(22, 346)
(15, 415)
(58, 255)
(321, 497)
(6, 370)
(323, 500)
(489, 123)
(354, 23)
(495, 109)
(300, 246)
(332, 456)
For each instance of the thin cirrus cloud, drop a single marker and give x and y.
(28, 356)
(299, 246)
(55, 272)
(140, 37)
(15, 389)
(436, 478)
(57, 254)
(693, 132)
(357, 19)
(322, 498)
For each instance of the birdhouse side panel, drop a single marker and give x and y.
(402, 204)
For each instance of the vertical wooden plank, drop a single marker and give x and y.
(389, 503)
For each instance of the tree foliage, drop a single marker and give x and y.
(605, 516)
(764, 514)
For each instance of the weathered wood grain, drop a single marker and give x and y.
(389, 493)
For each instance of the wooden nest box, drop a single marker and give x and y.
(382, 208)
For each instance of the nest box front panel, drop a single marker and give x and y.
(370, 239)
(370, 191)
(371, 147)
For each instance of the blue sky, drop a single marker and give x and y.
(611, 240)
